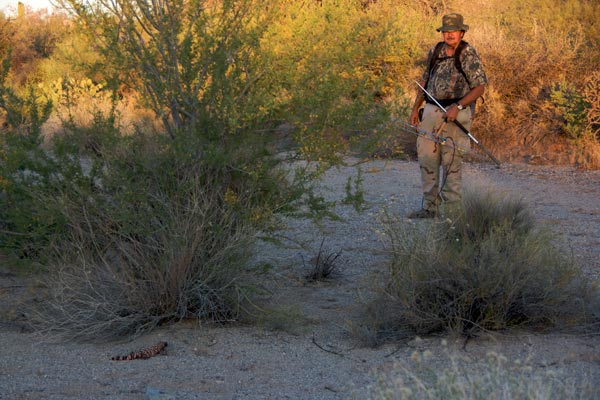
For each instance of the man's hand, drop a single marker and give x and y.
(452, 112)
(414, 117)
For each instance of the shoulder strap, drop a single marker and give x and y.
(457, 63)
(435, 56)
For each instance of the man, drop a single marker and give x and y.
(456, 85)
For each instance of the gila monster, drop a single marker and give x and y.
(143, 353)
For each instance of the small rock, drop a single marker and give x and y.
(155, 394)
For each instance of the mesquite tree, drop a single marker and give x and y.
(193, 60)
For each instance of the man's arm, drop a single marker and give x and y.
(414, 115)
(474, 94)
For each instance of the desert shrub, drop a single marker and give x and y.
(355, 196)
(572, 107)
(160, 232)
(27, 174)
(194, 62)
(334, 69)
(69, 93)
(592, 96)
(199, 100)
(493, 376)
(75, 57)
(82, 104)
(484, 211)
(491, 269)
(23, 110)
(25, 169)
(32, 37)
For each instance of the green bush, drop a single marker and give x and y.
(194, 62)
(572, 108)
(28, 223)
(333, 70)
(162, 233)
(26, 170)
(490, 269)
(32, 38)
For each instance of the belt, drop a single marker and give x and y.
(444, 103)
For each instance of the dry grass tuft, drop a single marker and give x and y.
(188, 265)
(158, 239)
(493, 376)
(324, 265)
(488, 268)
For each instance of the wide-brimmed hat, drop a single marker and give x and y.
(452, 22)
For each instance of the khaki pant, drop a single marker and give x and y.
(442, 186)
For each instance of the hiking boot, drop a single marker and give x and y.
(422, 213)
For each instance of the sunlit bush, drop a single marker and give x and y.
(526, 50)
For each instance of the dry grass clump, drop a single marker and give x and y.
(158, 238)
(490, 269)
(188, 267)
(88, 107)
(592, 96)
(493, 377)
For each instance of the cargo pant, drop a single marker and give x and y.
(440, 163)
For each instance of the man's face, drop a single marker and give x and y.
(453, 38)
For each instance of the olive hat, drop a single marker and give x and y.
(453, 22)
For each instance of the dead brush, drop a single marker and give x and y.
(155, 244)
(323, 266)
(490, 269)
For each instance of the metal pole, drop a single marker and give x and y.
(465, 130)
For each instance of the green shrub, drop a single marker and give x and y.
(572, 107)
(490, 269)
(32, 38)
(355, 198)
(27, 223)
(162, 233)
(333, 67)
(194, 62)
(25, 171)
(335, 70)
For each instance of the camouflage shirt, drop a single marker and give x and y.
(446, 82)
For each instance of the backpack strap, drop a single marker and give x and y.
(435, 58)
(458, 66)
(457, 63)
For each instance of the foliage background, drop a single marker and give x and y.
(333, 67)
(324, 77)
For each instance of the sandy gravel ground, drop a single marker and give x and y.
(315, 355)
